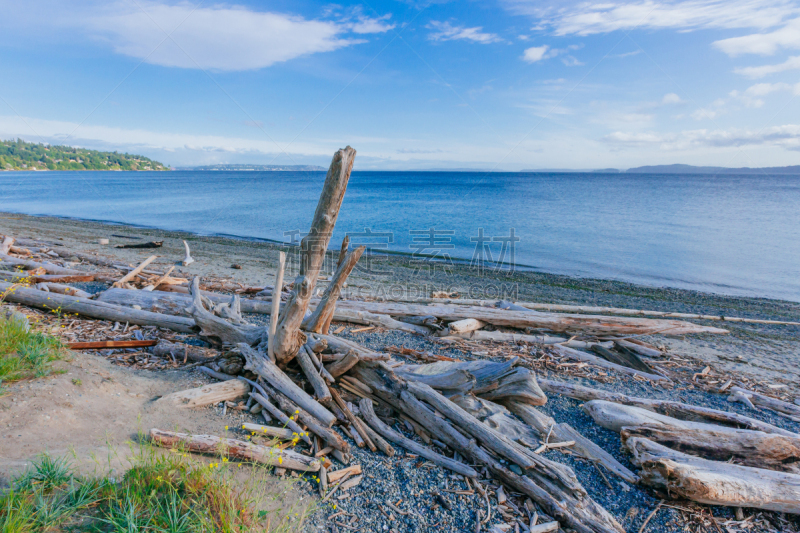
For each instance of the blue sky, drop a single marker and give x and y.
(505, 84)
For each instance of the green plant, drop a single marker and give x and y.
(26, 353)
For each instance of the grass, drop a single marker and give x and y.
(24, 352)
(162, 492)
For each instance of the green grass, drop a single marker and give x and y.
(26, 354)
(162, 492)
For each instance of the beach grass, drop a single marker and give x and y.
(24, 352)
(161, 492)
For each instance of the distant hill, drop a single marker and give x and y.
(259, 168)
(21, 155)
(689, 169)
(597, 170)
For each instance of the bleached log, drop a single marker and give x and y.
(269, 431)
(679, 410)
(324, 312)
(578, 355)
(561, 323)
(32, 276)
(288, 337)
(207, 394)
(179, 351)
(275, 377)
(344, 364)
(187, 260)
(160, 280)
(5, 247)
(135, 272)
(217, 330)
(743, 446)
(713, 482)
(245, 451)
(94, 309)
(49, 267)
(500, 336)
(175, 303)
(62, 289)
(388, 433)
(275, 306)
(321, 390)
(288, 421)
(520, 386)
(773, 404)
(639, 349)
(460, 327)
(373, 319)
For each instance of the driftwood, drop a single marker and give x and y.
(135, 272)
(187, 260)
(344, 364)
(274, 307)
(562, 323)
(566, 502)
(288, 421)
(713, 482)
(161, 279)
(321, 390)
(638, 348)
(288, 337)
(62, 289)
(181, 351)
(388, 433)
(460, 327)
(144, 245)
(94, 309)
(679, 410)
(206, 395)
(773, 404)
(323, 314)
(586, 357)
(500, 336)
(564, 432)
(373, 319)
(5, 247)
(49, 267)
(30, 276)
(175, 303)
(217, 330)
(623, 358)
(245, 451)
(275, 377)
(269, 431)
(94, 345)
(520, 386)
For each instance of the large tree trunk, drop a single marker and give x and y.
(713, 482)
(94, 309)
(289, 338)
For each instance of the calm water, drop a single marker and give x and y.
(727, 234)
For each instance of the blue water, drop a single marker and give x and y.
(736, 235)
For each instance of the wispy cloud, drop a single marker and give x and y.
(792, 63)
(444, 31)
(787, 37)
(535, 54)
(588, 18)
(786, 136)
(671, 98)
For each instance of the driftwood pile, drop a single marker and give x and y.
(478, 419)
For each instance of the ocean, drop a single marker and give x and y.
(727, 234)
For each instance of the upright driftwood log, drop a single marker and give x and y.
(324, 312)
(72, 304)
(245, 451)
(714, 482)
(274, 309)
(289, 338)
(679, 410)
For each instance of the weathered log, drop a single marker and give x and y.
(269, 431)
(321, 390)
(520, 386)
(713, 482)
(679, 410)
(161, 279)
(564, 432)
(379, 441)
(388, 433)
(174, 303)
(217, 330)
(344, 364)
(29, 276)
(187, 260)
(245, 451)
(135, 272)
(586, 357)
(181, 351)
(340, 345)
(94, 309)
(288, 421)
(562, 323)
(62, 289)
(773, 404)
(273, 375)
(275, 305)
(323, 314)
(627, 358)
(638, 348)
(379, 320)
(453, 375)
(95, 345)
(221, 376)
(5, 247)
(288, 337)
(460, 327)
(207, 394)
(49, 267)
(569, 504)
(500, 336)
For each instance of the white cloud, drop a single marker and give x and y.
(534, 54)
(586, 18)
(671, 98)
(444, 31)
(786, 136)
(765, 70)
(220, 37)
(763, 43)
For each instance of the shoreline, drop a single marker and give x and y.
(402, 256)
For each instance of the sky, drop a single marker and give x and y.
(411, 84)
